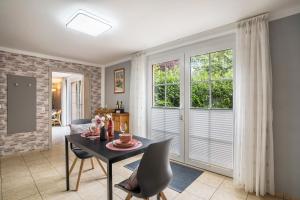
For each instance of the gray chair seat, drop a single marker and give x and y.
(81, 154)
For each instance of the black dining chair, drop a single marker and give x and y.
(82, 155)
(153, 174)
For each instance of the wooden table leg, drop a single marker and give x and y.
(67, 163)
(109, 181)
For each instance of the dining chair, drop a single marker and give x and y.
(56, 118)
(153, 174)
(82, 155)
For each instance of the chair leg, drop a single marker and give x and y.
(163, 196)
(99, 162)
(128, 197)
(92, 163)
(79, 175)
(73, 165)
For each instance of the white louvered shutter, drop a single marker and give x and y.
(211, 137)
(165, 123)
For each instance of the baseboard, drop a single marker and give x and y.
(289, 197)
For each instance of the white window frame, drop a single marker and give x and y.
(213, 45)
(184, 53)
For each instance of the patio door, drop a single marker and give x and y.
(209, 108)
(191, 92)
(166, 74)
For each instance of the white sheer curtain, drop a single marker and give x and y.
(253, 148)
(137, 99)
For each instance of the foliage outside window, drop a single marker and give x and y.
(211, 80)
(166, 84)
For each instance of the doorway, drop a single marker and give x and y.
(67, 102)
(191, 89)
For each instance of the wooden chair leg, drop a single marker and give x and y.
(128, 197)
(73, 165)
(79, 175)
(92, 163)
(99, 162)
(163, 196)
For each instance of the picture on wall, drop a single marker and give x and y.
(119, 80)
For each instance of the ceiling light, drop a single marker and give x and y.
(88, 23)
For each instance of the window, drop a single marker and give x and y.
(211, 80)
(166, 84)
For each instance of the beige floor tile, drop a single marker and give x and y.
(267, 197)
(20, 192)
(10, 184)
(62, 195)
(34, 197)
(188, 196)
(45, 174)
(227, 195)
(228, 187)
(15, 173)
(211, 179)
(171, 194)
(45, 184)
(201, 190)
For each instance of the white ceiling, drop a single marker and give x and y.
(39, 26)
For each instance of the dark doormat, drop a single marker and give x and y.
(183, 176)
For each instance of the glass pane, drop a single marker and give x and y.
(159, 96)
(173, 95)
(172, 72)
(200, 67)
(158, 74)
(222, 92)
(221, 65)
(200, 94)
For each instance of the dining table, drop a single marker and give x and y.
(98, 148)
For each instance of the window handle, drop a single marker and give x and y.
(181, 110)
(181, 117)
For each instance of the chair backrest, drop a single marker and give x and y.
(154, 172)
(81, 121)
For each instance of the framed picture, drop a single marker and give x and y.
(119, 80)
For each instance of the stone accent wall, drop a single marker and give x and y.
(17, 64)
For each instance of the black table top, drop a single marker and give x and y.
(98, 147)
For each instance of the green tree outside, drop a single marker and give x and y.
(211, 81)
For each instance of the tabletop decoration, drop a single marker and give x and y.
(110, 127)
(111, 146)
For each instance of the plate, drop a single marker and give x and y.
(86, 135)
(119, 144)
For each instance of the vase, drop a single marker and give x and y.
(103, 136)
(110, 130)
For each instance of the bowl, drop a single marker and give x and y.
(125, 137)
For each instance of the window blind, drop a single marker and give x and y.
(165, 123)
(211, 137)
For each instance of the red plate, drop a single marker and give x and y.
(87, 135)
(119, 144)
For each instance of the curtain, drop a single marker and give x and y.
(137, 99)
(253, 146)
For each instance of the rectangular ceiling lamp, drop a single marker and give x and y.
(88, 23)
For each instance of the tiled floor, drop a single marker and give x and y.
(40, 175)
